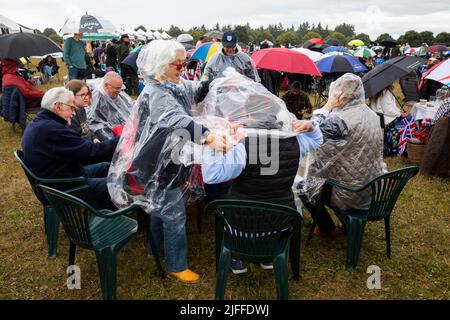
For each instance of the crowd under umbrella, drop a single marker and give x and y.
(319, 47)
(377, 48)
(364, 53)
(87, 23)
(206, 51)
(437, 48)
(313, 55)
(215, 34)
(440, 73)
(185, 37)
(389, 43)
(386, 73)
(337, 62)
(285, 60)
(335, 49)
(23, 44)
(312, 42)
(333, 42)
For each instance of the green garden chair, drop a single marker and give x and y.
(51, 221)
(385, 190)
(258, 232)
(102, 231)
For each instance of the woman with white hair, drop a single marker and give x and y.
(352, 152)
(149, 167)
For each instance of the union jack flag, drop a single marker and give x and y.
(405, 128)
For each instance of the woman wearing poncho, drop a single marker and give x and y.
(149, 167)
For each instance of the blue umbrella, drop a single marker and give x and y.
(335, 49)
(340, 63)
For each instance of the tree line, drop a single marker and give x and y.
(343, 32)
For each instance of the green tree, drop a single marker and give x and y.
(427, 37)
(337, 35)
(443, 37)
(384, 36)
(48, 32)
(412, 37)
(175, 31)
(310, 35)
(302, 30)
(287, 37)
(55, 37)
(364, 38)
(241, 34)
(347, 30)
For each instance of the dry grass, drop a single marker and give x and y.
(419, 268)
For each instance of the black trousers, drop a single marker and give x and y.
(130, 78)
(320, 215)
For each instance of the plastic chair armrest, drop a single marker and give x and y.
(104, 213)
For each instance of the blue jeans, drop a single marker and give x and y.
(47, 73)
(74, 73)
(168, 227)
(95, 175)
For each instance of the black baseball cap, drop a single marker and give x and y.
(229, 39)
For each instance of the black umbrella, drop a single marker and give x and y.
(390, 43)
(23, 44)
(319, 47)
(386, 73)
(333, 42)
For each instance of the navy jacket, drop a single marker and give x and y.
(52, 150)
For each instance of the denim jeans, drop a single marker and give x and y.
(95, 175)
(47, 73)
(168, 227)
(74, 73)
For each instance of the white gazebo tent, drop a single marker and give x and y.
(166, 36)
(9, 26)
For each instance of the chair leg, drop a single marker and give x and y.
(280, 269)
(387, 228)
(222, 273)
(161, 271)
(107, 269)
(52, 229)
(311, 232)
(355, 232)
(72, 252)
(143, 220)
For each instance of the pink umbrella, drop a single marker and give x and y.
(285, 60)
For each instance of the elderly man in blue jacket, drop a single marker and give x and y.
(52, 150)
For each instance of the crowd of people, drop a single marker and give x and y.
(146, 152)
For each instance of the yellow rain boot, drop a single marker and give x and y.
(187, 276)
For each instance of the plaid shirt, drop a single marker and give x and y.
(297, 103)
(443, 111)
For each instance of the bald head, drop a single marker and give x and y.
(112, 84)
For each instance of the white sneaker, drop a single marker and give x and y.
(266, 266)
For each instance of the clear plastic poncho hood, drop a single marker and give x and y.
(243, 102)
(106, 113)
(352, 152)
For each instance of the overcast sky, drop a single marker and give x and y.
(371, 17)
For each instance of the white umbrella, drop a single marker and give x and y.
(87, 24)
(185, 37)
(269, 42)
(441, 73)
(10, 26)
(313, 55)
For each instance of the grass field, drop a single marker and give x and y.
(419, 267)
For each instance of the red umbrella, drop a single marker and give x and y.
(312, 42)
(437, 48)
(285, 60)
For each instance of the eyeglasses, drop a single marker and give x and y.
(180, 66)
(83, 95)
(72, 107)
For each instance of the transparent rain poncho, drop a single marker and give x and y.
(106, 113)
(152, 157)
(352, 152)
(236, 100)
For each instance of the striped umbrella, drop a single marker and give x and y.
(440, 73)
(340, 62)
(206, 51)
(364, 53)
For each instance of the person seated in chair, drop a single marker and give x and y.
(52, 150)
(297, 101)
(110, 106)
(268, 126)
(49, 67)
(11, 77)
(352, 152)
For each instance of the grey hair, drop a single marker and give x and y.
(156, 56)
(109, 76)
(54, 95)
